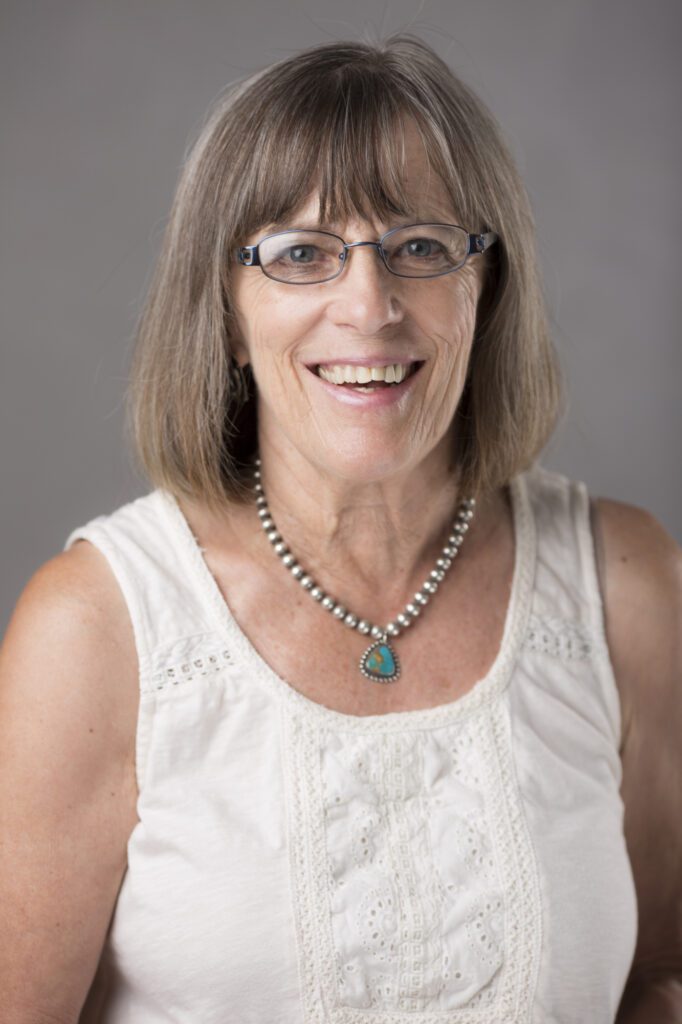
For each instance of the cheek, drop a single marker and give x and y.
(268, 321)
(454, 320)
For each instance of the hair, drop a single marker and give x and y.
(332, 117)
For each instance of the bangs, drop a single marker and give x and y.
(362, 128)
(345, 141)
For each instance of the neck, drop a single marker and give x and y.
(372, 542)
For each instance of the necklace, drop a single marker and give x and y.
(379, 662)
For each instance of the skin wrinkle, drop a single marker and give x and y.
(354, 481)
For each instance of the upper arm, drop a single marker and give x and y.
(640, 568)
(68, 707)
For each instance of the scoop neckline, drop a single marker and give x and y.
(483, 691)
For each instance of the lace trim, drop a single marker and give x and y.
(561, 638)
(384, 929)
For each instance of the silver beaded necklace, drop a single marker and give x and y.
(379, 662)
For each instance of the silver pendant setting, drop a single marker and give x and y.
(380, 662)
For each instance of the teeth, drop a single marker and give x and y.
(340, 374)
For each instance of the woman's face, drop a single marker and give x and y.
(365, 318)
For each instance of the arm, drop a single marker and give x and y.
(68, 706)
(640, 569)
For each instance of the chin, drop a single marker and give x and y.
(365, 462)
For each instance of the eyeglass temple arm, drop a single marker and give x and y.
(479, 243)
(248, 256)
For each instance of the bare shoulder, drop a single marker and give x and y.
(68, 711)
(72, 612)
(68, 665)
(640, 568)
(640, 573)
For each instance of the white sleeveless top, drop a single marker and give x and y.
(463, 864)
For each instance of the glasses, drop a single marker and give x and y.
(300, 256)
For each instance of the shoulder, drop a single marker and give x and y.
(640, 573)
(70, 640)
(640, 567)
(68, 712)
(77, 591)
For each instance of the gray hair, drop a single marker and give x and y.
(332, 118)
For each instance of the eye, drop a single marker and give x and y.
(420, 248)
(302, 253)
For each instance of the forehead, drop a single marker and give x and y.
(428, 198)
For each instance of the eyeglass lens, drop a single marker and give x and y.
(307, 257)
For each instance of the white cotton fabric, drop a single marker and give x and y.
(463, 864)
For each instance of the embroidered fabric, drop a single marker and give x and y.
(425, 866)
(561, 638)
(414, 874)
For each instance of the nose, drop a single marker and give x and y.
(365, 295)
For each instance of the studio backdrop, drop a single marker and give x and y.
(100, 102)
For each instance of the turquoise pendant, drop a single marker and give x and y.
(380, 662)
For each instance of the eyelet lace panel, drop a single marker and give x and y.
(188, 660)
(414, 880)
(561, 638)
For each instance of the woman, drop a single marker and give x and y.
(332, 725)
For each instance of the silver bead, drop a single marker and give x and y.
(376, 632)
(267, 523)
(288, 559)
(411, 609)
(351, 620)
(328, 603)
(317, 593)
(263, 512)
(403, 620)
(280, 547)
(273, 536)
(363, 627)
(449, 552)
(297, 571)
(438, 575)
(444, 563)
(256, 473)
(468, 514)
(306, 581)
(461, 527)
(339, 612)
(393, 629)
(261, 501)
(430, 587)
(421, 598)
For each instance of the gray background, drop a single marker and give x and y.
(99, 103)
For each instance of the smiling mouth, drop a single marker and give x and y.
(366, 378)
